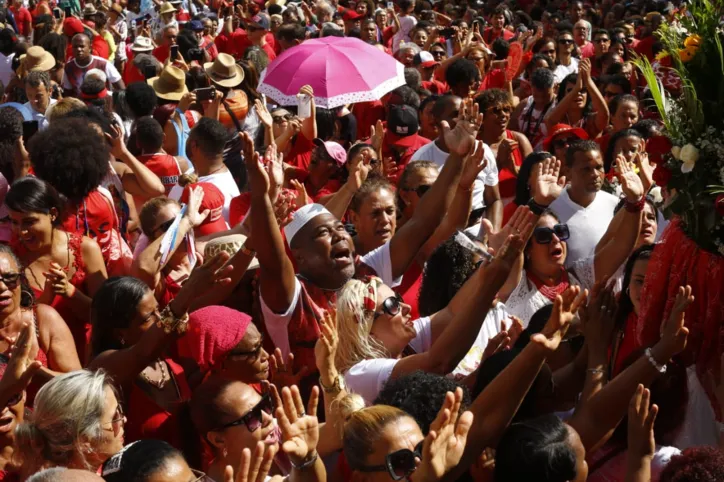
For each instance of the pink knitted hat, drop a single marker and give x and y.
(213, 332)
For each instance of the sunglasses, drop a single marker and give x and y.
(565, 41)
(419, 190)
(561, 143)
(280, 119)
(545, 235)
(500, 110)
(399, 464)
(163, 227)
(10, 279)
(608, 93)
(438, 53)
(391, 306)
(253, 418)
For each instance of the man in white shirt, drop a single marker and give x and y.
(485, 189)
(37, 90)
(7, 44)
(582, 205)
(205, 148)
(83, 60)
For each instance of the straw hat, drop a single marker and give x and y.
(89, 10)
(171, 84)
(223, 71)
(142, 44)
(166, 8)
(231, 244)
(118, 9)
(37, 59)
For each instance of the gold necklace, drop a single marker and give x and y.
(160, 384)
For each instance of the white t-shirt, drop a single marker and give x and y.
(37, 116)
(6, 68)
(407, 23)
(563, 71)
(276, 323)
(486, 177)
(368, 377)
(491, 327)
(222, 180)
(110, 70)
(586, 225)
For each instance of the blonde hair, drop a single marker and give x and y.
(63, 107)
(354, 323)
(363, 430)
(149, 211)
(66, 415)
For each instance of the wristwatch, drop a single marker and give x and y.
(337, 386)
(536, 208)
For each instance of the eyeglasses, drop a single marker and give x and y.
(391, 306)
(499, 110)
(280, 119)
(419, 190)
(253, 418)
(399, 464)
(253, 353)
(565, 41)
(163, 227)
(545, 235)
(119, 419)
(10, 279)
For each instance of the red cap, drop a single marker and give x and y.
(72, 26)
(213, 199)
(89, 24)
(351, 15)
(559, 129)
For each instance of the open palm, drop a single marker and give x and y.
(300, 429)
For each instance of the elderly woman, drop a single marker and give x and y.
(77, 422)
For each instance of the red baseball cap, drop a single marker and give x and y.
(351, 15)
(72, 26)
(559, 129)
(213, 199)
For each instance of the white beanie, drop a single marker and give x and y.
(301, 217)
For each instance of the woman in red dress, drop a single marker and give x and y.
(63, 269)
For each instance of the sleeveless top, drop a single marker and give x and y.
(531, 122)
(165, 166)
(75, 74)
(506, 178)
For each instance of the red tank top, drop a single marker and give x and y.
(147, 420)
(410, 288)
(165, 166)
(506, 178)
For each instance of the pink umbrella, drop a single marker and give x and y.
(340, 70)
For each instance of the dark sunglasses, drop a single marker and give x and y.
(253, 418)
(390, 306)
(10, 279)
(399, 464)
(560, 143)
(420, 190)
(608, 93)
(545, 235)
(280, 119)
(565, 41)
(164, 226)
(438, 53)
(500, 110)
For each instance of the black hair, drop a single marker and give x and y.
(536, 449)
(405, 5)
(446, 271)
(37, 77)
(372, 184)
(352, 152)
(490, 98)
(354, 33)
(500, 48)
(113, 307)
(543, 79)
(610, 149)
(149, 134)
(522, 190)
(441, 105)
(461, 71)
(577, 146)
(140, 461)
(599, 31)
(616, 102)
(420, 394)
(71, 156)
(617, 80)
(572, 79)
(625, 306)
(210, 136)
(91, 116)
(186, 41)
(535, 325)
(648, 128)
(539, 57)
(407, 96)
(291, 32)
(141, 99)
(274, 9)
(32, 195)
(11, 129)
(326, 120)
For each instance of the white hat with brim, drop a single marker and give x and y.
(301, 217)
(142, 44)
(170, 85)
(224, 71)
(231, 244)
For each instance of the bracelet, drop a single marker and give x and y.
(536, 208)
(650, 356)
(247, 252)
(336, 385)
(595, 371)
(635, 207)
(169, 322)
(306, 464)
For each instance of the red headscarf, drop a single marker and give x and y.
(213, 332)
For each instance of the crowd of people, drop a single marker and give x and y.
(200, 284)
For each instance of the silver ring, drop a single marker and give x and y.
(603, 307)
(303, 414)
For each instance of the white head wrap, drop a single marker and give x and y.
(301, 217)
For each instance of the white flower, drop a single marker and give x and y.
(676, 151)
(656, 194)
(688, 155)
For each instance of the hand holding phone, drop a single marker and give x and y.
(30, 128)
(174, 52)
(304, 106)
(205, 93)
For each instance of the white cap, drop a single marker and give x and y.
(301, 217)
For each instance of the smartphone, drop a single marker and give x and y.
(390, 5)
(174, 52)
(56, 13)
(68, 12)
(149, 72)
(447, 32)
(29, 129)
(304, 106)
(205, 93)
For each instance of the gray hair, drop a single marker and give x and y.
(67, 413)
(330, 28)
(37, 77)
(324, 7)
(48, 475)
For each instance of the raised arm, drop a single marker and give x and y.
(622, 242)
(125, 365)
(277, 281)
(406, 243)
(558, 114)
(137, 179)
(597, 100)
(309, 125)
(641, 443)
(338, 202)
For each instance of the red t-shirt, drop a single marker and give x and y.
(407, 146)
(165, 166)
(237, 43)
(131, 73)
(23, 20)
(100, 46)
(367, 115)
(301, 152)
(434, 86)
(410, 288)
(506, 179)
(645, 47)
(588, 50)
(495, 79)
(489, 35)
(162, 52)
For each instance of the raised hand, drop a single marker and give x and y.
(445, 442)
(21, 367)
(282, 374)
(673, 331)
(258, 176)
(598, 320)
(377, 132)
(584, 72)
(641, 420)
(254, 468)
(307, 90)
(474, 165)
(274, 169)
(358, 172)
(631, 184)
(263, 113)
(203, 279)
(646, 170)
(390, 169)
(302, 198)
(326, 347)
(118, 147)
(518, 223)
(497, 343)
(186, 100)
(564, 310)
(461, 139)
(300, 429)
(546, 185)
(196, 196)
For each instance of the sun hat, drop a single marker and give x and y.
(118, 9)
(559, 129)
(142, 44)
(166, 8)
(230, 244)
(301, 217)
(171, 84)
(36, 58)
(89, 10)
(223, 71)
